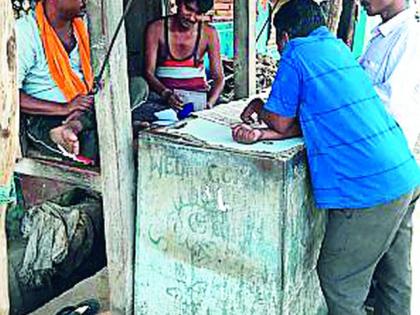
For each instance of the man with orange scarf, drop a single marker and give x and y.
(55, 78)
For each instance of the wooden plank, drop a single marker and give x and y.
(9, 120)
(116, 152)
(60, 172)
(9, 131)
(245, 48)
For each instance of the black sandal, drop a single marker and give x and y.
(87, 307)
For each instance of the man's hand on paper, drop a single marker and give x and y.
(244, 133)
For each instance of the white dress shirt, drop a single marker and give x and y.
(392, 60)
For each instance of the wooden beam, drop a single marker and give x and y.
(116, 153)
(333, 9)
(141, 13)
(80, 177)
(245, 48)
(347, 22)
(9, 134)
(9, 110)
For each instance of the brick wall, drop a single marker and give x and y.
(223, 10)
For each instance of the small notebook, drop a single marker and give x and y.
(199, 99)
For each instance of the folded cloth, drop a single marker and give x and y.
(59, 239)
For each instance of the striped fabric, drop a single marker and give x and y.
(182, 75)
(357, 154)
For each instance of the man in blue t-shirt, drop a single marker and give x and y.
(362, 170)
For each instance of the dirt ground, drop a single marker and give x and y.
(95, 287)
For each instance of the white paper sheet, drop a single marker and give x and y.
(221, 135)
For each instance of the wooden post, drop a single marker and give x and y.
(141, 13)
(9, 131)
(9, 120)
(244, 47)
(333, 10)
(113, 115)
(347, 23)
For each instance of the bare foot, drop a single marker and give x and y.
(65, 137)
(141, 124)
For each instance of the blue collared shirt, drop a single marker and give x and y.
(358, 156)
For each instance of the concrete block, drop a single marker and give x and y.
(224, 229)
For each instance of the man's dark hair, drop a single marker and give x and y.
(299, 18)
(203, 5)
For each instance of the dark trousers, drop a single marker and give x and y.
(360, 243)
(146, 110)
(36, 129)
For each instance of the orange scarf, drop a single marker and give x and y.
(58, 59)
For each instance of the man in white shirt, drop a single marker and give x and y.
(392, 60)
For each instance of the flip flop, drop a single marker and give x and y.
(87, 307)
(78, 158)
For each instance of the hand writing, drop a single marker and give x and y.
(254, 107)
